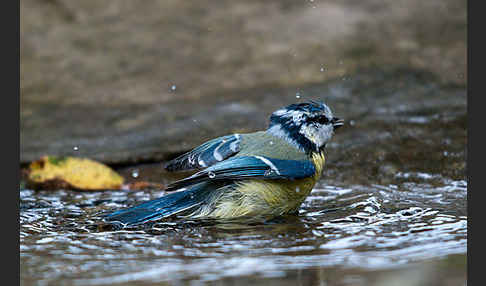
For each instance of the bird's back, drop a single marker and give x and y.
(263, 143)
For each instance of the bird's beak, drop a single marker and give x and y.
(336, 122)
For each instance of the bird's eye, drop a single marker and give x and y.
(321, 120)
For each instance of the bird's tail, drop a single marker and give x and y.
(162, 207)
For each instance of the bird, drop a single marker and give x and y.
(259, 175)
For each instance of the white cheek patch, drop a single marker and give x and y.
(309, 132)
(319, 135)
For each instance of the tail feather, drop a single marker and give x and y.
(162, 207)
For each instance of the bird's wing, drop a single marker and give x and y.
(207, 154)
(249, 167)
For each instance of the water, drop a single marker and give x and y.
(344, 234)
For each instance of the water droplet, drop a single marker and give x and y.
(297, 190)
(173, 87)
(135, 173)
(211, 175)
(271, 142)
(370, 233)
(297, 95)
(75, 148)
(352, 122)
(317, 232)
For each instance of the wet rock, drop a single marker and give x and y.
(123, 83)
(377, 106)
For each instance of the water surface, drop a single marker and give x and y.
(415, 230)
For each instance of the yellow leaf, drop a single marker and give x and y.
(72, 172)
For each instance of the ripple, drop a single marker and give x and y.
(375, 227)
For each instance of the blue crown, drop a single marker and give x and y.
(308, 107)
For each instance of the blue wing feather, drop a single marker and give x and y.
(165, 206)
(207, 154)
(250, 167)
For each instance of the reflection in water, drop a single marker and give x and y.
(421, 218)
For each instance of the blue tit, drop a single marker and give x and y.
(263, 174)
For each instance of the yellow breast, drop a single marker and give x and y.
(266, 197)
(319, 160)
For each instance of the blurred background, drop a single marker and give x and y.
(128, 82)
(135, 83)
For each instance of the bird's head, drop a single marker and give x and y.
(308, 125)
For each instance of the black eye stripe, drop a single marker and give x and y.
(320, 120)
